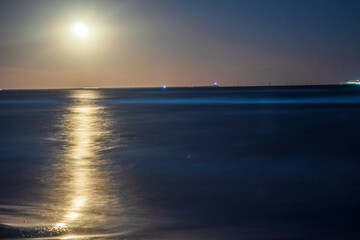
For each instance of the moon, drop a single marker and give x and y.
(79, 29)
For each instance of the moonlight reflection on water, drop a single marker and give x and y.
(83, 186)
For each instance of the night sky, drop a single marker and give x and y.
(144, 43)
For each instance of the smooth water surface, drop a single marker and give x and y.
(180, 163)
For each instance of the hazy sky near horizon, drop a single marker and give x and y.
(135, 43)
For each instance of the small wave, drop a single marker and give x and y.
(53, 232)
(21, 222)
(7, 232)
(117, 235)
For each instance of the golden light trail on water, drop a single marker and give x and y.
(83, 183)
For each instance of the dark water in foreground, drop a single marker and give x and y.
(211, 163)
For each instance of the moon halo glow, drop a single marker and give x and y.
(79, 29)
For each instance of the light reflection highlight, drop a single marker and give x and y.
(83, 182)
(60, 225)
(72, 215)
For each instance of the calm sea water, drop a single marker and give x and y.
(192, 163)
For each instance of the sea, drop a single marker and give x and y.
(269, 163)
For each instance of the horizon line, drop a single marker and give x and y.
(176, 86)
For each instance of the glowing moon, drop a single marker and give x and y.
(79, 29)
